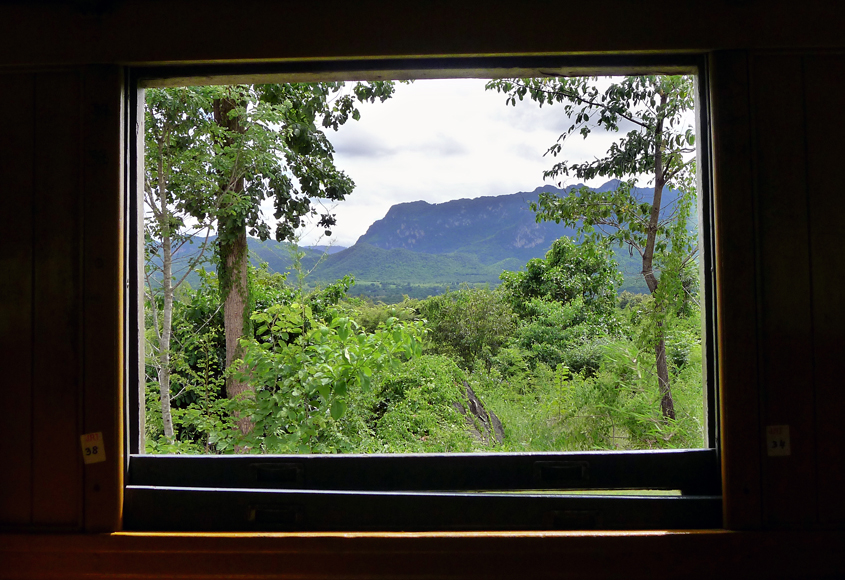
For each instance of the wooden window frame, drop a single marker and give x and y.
(347, 493)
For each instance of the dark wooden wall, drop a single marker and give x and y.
(778, 200)
(61, 288)
(777, 94)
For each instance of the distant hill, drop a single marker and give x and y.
(420, 248)
(368, 262)
(277, 256)
(463, 241)
(491, 228)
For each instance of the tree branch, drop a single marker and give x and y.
(586, 101)
(193, 262)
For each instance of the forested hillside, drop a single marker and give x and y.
(421, 249)
(491, 228)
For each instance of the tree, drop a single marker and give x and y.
(256, 142)
(567, 302)
(568, 272)
(174, 166)
(658, 144)
(470, 323)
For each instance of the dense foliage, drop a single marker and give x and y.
(215, 153)
(333, 374)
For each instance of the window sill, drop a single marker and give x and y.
(652, 554)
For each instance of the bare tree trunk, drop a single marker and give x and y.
(164, 339)
(233, 257)
(167, 314)
(667, 405)
(233, 265)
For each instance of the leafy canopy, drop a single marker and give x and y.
(236, 146)
(569, 272)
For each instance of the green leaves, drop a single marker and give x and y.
(311, 366)
(338, 408)
(659, 144)
(469, 323)
(653, 106)
(218, 151)
(569, 272)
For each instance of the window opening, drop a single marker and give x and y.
(549, 342)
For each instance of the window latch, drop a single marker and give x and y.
(555, 474)
(279, 474)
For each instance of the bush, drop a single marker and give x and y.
(370, 314)
(553, 333)
(469, 324)
(329, 376)
(302, 386)
(418, 408)
(569, 272)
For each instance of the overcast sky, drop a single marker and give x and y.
(438, 140)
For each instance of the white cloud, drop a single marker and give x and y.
(437, 140)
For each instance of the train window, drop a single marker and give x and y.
(541, 358)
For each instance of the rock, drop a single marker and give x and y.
(485, 424)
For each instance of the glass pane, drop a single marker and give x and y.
(438, 266)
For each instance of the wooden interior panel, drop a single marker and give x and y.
(824, 93)
(460, 556)
(777, 144)
(137, 32)
(785, 323)
(737, 290)
(56, 384)
(103, 282)
(17, 148)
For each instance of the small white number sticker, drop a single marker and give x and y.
(777, 440)
(92, 448)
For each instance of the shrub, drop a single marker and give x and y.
(302, 386)
(469, 324)
(418, 408)
(370, 314)
(569, 272)
(553, 333)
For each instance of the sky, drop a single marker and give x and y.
(438, 140)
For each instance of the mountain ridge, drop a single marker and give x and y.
(419, 248)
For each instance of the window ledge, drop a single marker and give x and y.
(651, 554)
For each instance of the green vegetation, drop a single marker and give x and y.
(660, 145)
(386, 267)
(333, 373)
(554, 357)
(214, 153)
(390, 271)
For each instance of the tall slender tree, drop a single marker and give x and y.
(657, 143)
(174, 164)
